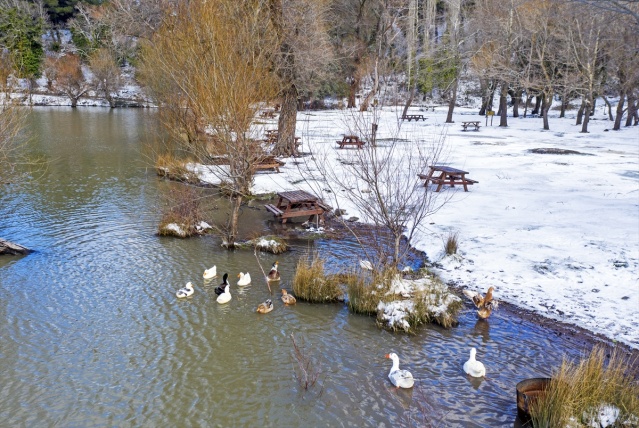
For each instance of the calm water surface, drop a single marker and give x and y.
(93, 335)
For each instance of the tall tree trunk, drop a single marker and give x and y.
(538, 99)
(546, 103)
(580, 112)
(619, 112)
(564, 106)
(366, 102)
(589, 106)
(285, 145)
(516, 101)
(610, 118)
(451, 103)
(503, 105)
(352, 92)
(232, 235)
(632, 108)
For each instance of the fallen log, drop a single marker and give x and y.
(7, 247)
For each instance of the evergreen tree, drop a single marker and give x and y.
(21, 34)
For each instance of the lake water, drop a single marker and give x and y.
(93, 335)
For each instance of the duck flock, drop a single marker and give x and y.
(223, 291)
(398, 377)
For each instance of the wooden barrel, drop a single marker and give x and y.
(527, 392)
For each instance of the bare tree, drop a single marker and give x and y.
(303, 53)
(70, 79)
(212, 62)
(585, 44)
(106, 73)
(382, 183)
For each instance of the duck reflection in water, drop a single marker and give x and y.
(482, 328)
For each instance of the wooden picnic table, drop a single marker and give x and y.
(351, 140)
(297, 203)
(440, 175)
(273, 134)
(268, 162)
(474, 123)
(410, 117)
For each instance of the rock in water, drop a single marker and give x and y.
(7, 247)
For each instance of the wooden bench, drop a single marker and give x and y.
(268, 163)
(410, 117)
(474, 123)
(351, 140)
(267, 114)
(275, 210)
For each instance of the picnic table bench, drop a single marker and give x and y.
(441, 175)
(273, 134)
(474, 123)
(270, 114)
(351, 140)
(268, 162)
(410, 117)
(297, 203)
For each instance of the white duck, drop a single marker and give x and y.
(473, 367)
(210, 273)
(226, 296)
(245, 278)
(185, 291)
(399, 378)
(365, 264)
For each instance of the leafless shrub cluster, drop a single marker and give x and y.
(306, 369)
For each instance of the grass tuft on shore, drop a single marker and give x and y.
(311, 283)
(590, 393)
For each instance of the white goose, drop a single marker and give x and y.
(245, 278)
(185, 291)
(226, 296)
(210, 273)
(399, 378)
(473, 367)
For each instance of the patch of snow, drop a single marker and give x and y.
(176, 229)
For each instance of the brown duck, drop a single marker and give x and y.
(485, 304)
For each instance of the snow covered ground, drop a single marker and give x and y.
(557, 234)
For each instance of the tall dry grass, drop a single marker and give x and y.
(451, 245)
(364, 291)
(578, 391)
(311, 283)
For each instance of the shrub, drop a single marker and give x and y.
(452, 243)
(409, 303)
(182, 209)
(310, 282)
(578, 392)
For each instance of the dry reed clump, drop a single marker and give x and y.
(181, 213)
(409, 303)
(435, 304)
(452, 243)
(311, 283)
(175, 169)
(364, 293)
(589, 391)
